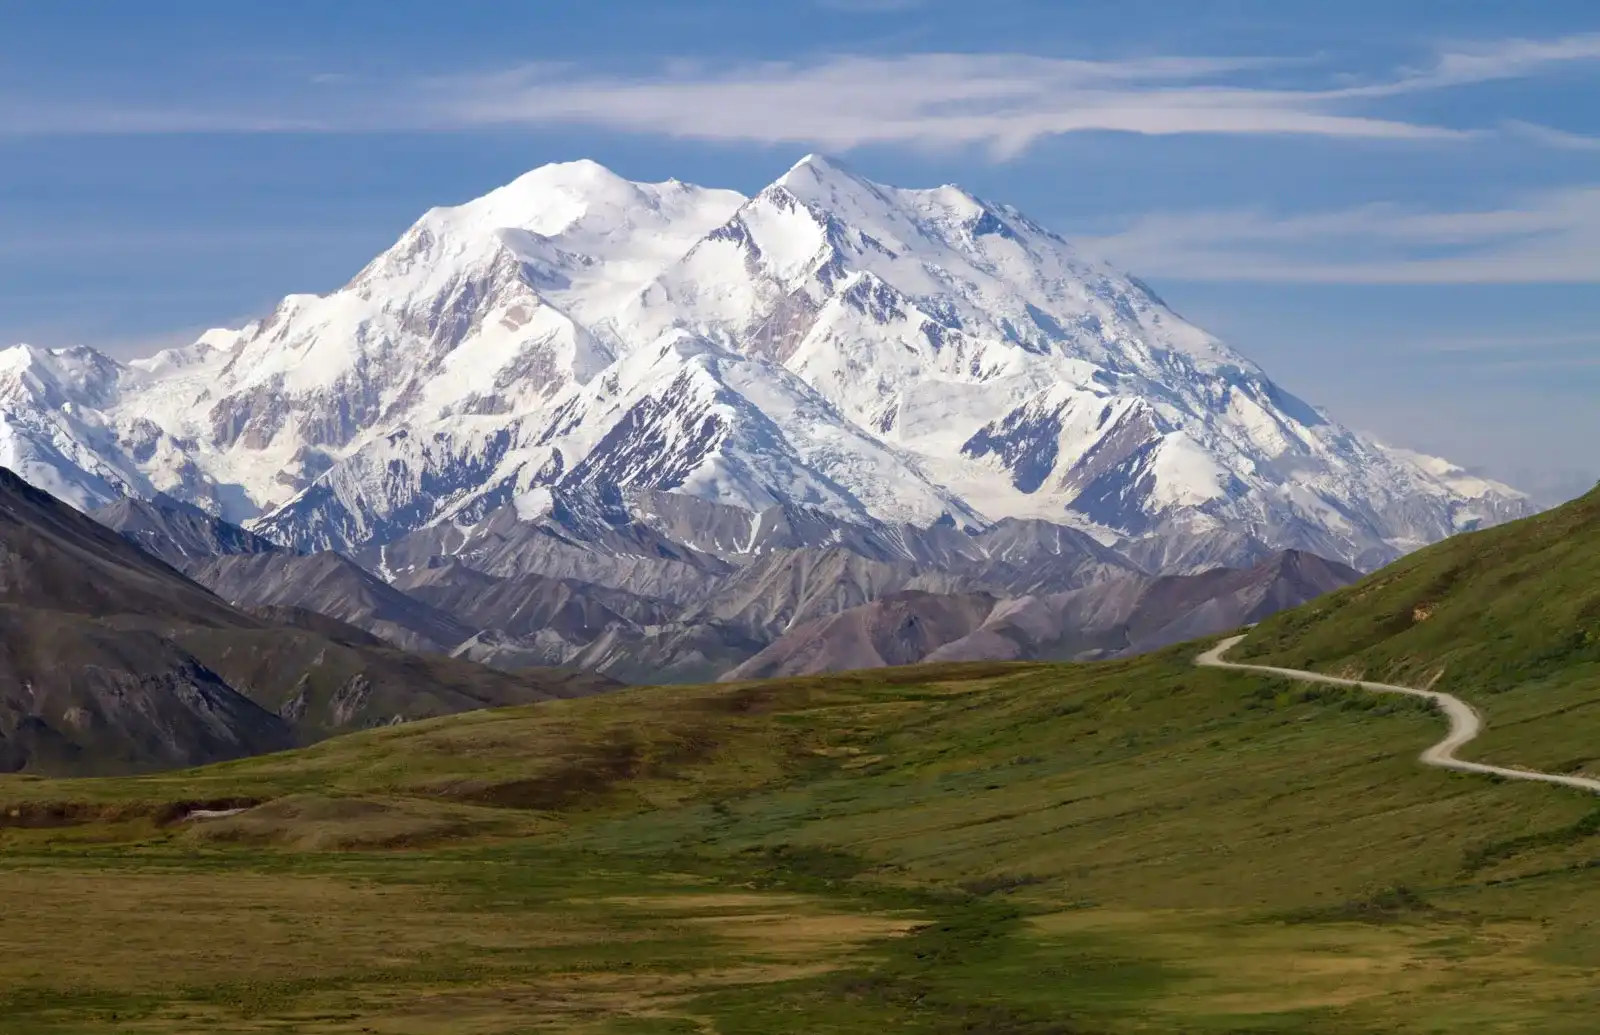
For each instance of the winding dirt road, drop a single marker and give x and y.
(1465, 723)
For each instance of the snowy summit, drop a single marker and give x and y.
(883, 355)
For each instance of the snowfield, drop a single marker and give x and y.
(880, 355)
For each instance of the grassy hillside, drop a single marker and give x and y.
(1126, 847)
(1507, 618)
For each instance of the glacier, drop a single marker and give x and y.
(887, 357)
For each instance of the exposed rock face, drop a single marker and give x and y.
(181, 534)
(736, 585)
(1125, 615)
(334, 586)
(898, 629)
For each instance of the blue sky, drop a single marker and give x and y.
(1394, 207)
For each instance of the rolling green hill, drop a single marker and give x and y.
(1508, 619)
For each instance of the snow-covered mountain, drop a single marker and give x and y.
(883, 356)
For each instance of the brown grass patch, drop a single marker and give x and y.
(1243, 969)
(313, 823)
(144, 931)
(782, 934)
(774, 924)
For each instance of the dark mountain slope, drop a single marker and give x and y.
(897, 629)
(182, 535)
(322, 687)
(1127, 615)
(525, 604)
(112, 661)
(336, 586)
(1183, 607)
(79, 697)
(321, 624)
(53, 558)
(777, 591)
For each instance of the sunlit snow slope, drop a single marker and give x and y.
(879, 354)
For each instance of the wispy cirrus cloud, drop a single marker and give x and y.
(1558, 139)
(1469, 63)
(1004, 102)
(48, 117)
(1547, 237)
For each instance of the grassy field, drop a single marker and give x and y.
(1126, 847)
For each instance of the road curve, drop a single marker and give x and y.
(1465, 723)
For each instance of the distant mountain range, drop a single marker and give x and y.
(562, 589)
(1126, 615)
(851, 354)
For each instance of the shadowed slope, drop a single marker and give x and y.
(111, 661)
(336, 586)
(182, 535)
(1130, 614)
(53, 558)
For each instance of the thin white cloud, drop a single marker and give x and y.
(1547, 237)
(1509, 59)
(1005, 102)
(1473, 64)
(1549, 136)
(45, 117)
(54, 241)
(1578, 364)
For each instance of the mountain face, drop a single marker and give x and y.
(1117, 616)
(112, 661)
(897, 629)
(883, 358)
(332, 585)
(54, 559)
(780, 591)
(181, 534)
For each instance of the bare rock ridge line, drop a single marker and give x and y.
(1465, 724)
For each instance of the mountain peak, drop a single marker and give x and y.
(820, 163)
(546, 200)
(579, 172)
(843, 344)
(818, 169)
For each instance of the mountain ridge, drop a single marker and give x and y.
(1115, 616)
(906, 357)
(112, 660)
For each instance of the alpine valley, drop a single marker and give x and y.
(651, 428)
